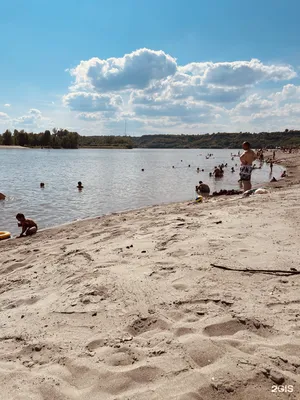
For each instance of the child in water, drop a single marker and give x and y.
(79, 186)
(29, 227)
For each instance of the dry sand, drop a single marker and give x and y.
(128, 306)
(12, 147)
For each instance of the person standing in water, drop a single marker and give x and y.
(247, 158)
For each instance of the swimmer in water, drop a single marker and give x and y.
(80, 187)
(2, 196)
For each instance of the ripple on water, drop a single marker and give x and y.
(112, 180)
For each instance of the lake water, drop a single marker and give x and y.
(112, 180)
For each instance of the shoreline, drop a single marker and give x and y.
(289, 165)
(129, 305)
(4, 147)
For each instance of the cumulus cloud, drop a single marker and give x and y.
(91, 102)
(134, 70)
(184, 111)
(254, 103)
(239, 73)
(7, 105)
(90, 116)
(151, 89)
(288, 110)
(183, 87)
(289, 92)
(32, 120)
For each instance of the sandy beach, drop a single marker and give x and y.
(129, 306)
(12, 147)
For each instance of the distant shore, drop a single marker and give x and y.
(79, 147)
(12, 147)
(105, 147)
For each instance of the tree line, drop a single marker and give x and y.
(59, 138)
(287, 138)
(62, 138)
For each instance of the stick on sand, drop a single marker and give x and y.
(259, 271)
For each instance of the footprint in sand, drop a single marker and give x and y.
(180, 286)
(142, 325)
(201, 350)
(116, 357)
(183, 330)
(232, 326)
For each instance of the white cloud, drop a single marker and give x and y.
(288, 110)
(289, 92)
(134, 70)
(91, 102)
(183, 86)
(239, 73)
(85, 116)
(7, 105)
(148, 88)
(254, 103)
(3, 116)
(180, 111)
(32, 120)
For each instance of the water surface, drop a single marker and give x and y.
(112, 180)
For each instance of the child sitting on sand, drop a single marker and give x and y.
(29, 227)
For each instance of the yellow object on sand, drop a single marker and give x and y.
(4, 235)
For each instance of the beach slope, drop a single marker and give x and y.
(128, 306)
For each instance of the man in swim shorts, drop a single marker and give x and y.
(247, 159)
(29, 227)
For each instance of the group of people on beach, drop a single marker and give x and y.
(246, 158)
(29, 227)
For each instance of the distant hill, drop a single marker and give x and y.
(62, 138)
(219, 140)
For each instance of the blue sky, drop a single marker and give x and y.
(188, 66)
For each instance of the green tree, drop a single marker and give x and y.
(46, 139)
(16, 137)
(7, 138)
(23, 138)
